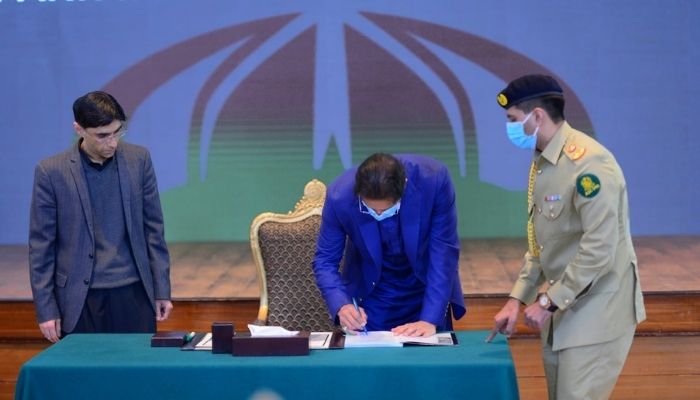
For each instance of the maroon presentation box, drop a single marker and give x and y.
(245, 345)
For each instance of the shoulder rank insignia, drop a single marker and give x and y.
(575, 152)
(588, 185)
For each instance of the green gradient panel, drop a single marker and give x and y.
(254, 169)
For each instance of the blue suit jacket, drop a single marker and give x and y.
(62, 239)
(429, 229)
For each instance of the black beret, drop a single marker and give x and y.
(528, 87)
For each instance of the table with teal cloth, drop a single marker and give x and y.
(124, 366)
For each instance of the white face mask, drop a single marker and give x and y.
(516, 134)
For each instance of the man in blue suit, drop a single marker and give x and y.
(393, 222)
(97, 255)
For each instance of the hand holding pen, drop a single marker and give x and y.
(352, 318)
(505, 320)
(364, 324)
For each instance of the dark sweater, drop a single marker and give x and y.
(114, 263)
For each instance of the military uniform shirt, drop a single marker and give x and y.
(586, 257)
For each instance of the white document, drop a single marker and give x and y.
(388, 339)
(372, 339)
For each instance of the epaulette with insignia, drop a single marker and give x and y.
(574, 152)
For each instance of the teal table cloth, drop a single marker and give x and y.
(124, 366)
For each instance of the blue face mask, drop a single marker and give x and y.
(388, 213)
(517, 135)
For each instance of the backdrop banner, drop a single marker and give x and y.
(241, 103)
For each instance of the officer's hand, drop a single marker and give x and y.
(51, 330)
(350, 319)
(163, 309)
(420, 328)
(505, 320)
(536, 316)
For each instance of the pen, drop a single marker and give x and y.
(354, 303)
(491, 335)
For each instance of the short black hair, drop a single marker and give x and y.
(381, 176)
(552, 105)
(97, 109)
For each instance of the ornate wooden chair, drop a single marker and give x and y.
(283, 247)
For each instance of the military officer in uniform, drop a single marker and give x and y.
(579, 280)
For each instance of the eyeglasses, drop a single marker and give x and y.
(107, 136)
(362, 206)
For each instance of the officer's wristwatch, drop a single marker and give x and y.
(546, 303)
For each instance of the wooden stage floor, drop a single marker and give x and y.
(217, 282)
(488, 267)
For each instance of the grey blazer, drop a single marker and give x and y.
(61, 234)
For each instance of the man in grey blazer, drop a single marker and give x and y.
(97, 254)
